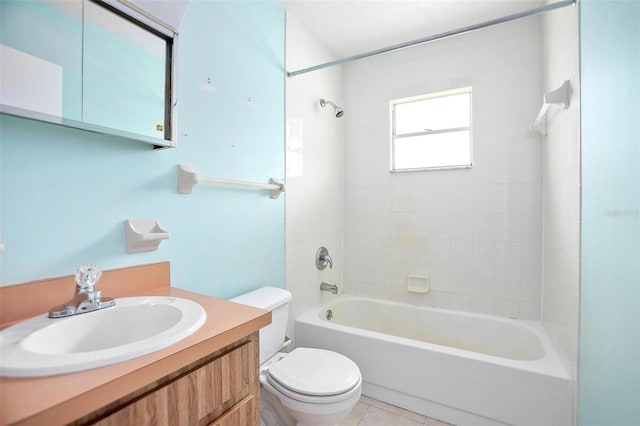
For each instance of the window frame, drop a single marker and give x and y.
(419, 98)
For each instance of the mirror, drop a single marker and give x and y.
(100, 66)
(41, 70)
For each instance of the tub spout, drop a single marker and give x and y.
(331, 288)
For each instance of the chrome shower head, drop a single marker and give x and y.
(339, 111)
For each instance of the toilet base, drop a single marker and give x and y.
(274, 413)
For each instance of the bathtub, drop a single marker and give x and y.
(463, 368)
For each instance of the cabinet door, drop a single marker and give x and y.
(240, 415)
(41, 57)
(199, 396)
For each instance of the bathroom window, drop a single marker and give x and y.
(431, 131)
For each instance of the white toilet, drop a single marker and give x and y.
(305, 386)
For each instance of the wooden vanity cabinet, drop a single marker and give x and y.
(209, 378)
(222, 389)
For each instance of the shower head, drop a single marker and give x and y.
(339, 111)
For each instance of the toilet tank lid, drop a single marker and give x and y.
(267, 298)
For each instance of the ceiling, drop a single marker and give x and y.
(168, 11)
(348, 27)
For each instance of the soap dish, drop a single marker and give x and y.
(144, 235)
(417, 284)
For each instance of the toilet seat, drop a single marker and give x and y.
(315, 376)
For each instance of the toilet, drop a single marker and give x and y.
(306, 386)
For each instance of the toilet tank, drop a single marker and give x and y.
(277, 301)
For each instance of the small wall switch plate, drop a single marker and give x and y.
(417, 283)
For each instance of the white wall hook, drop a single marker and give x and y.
(144, 235)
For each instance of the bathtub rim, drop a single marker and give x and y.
(550, 365)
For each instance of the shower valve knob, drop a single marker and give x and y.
(323, 259)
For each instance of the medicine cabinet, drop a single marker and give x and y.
(103, 66)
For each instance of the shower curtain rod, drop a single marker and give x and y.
(463, 30)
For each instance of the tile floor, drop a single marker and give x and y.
(371, 412)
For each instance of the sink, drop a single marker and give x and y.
(135, 326)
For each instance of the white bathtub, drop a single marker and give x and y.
(463, 368)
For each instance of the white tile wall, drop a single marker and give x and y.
(314, 171)
(561, 258)
(477, 233)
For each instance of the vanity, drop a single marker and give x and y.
(209, 378)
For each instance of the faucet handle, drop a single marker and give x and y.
(85, 299)
(87, 276)
(323, 259)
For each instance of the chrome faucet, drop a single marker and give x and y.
(323, 259)
(86, 299)
(331, 288)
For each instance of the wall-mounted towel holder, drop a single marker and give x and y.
(144, 235)
(187, 178)
(561, 95)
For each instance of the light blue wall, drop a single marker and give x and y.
(65, 194)
(609, 374)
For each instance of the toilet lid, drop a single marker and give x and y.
(315, 372)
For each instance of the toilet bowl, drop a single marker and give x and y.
(314, 386)
(307, 386)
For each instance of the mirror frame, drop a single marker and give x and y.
(145, 20)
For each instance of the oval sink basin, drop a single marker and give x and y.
(135, 326)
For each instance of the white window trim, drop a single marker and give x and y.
(392, 107)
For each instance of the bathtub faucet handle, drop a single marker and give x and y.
(323, 259)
